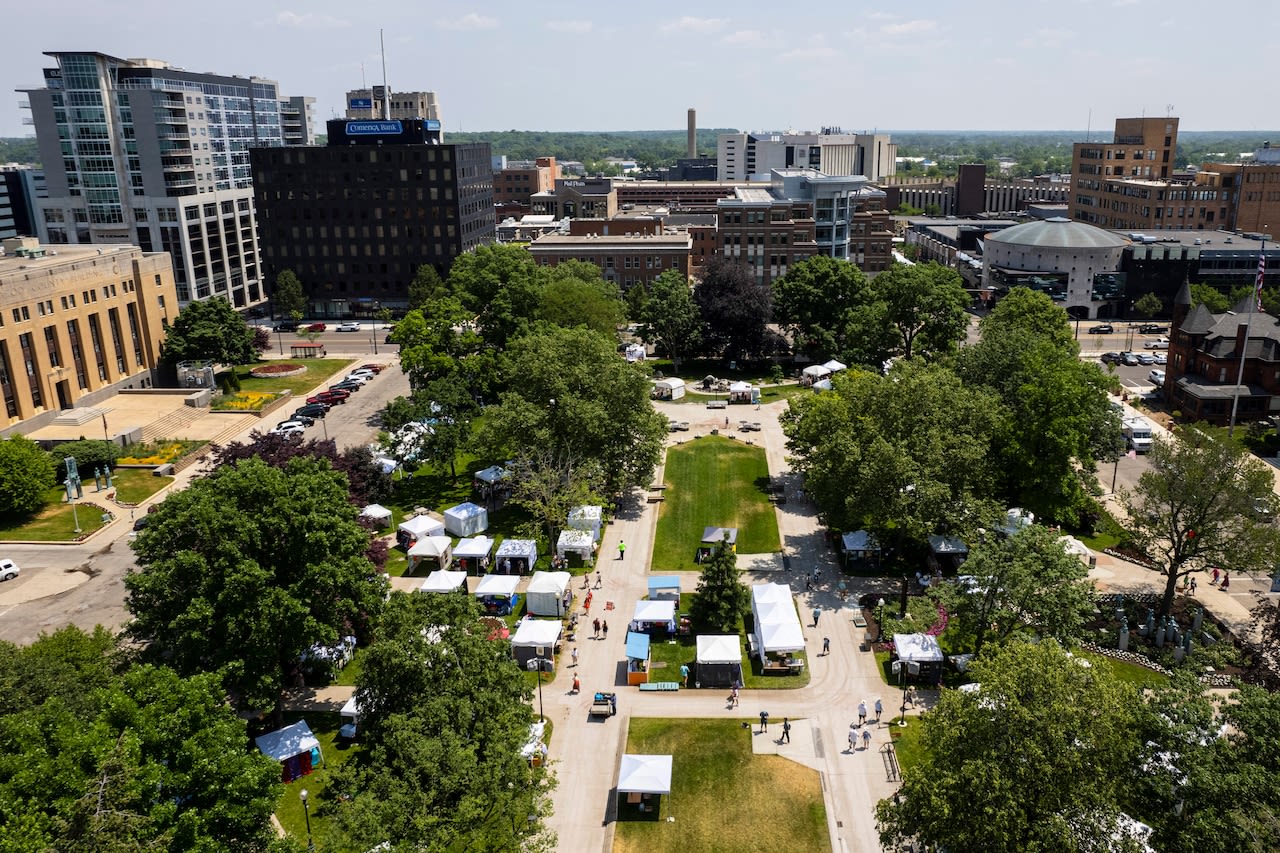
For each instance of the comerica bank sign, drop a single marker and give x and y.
(374, 128)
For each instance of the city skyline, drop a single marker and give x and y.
(754, 66)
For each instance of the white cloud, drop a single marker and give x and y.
(470, 21)
(919, 25)
(569, 26)
(816, 50)
(690, 24)
(308, 20)
(748, 38)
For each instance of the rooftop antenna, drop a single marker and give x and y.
(386, 90)
(1168, 110)
(1088, 126)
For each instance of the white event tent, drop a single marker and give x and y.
(443, 581)
(778, 626)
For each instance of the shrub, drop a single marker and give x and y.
(26, 472)
(88, 453)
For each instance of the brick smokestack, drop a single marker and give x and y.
(693, 133)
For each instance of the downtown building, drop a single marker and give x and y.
(747, 156)
(136, 151)
(355, 219)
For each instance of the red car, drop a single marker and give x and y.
(330, 397)
(316, 327)
(376, 368)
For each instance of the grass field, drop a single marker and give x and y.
(57, 521)
(714, 481)
(324, 725)
(722, 798)
(906, 742)
(318, 370)
(135, 485)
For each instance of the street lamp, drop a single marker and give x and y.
(879, 619)
(535, 664)
(903, 668)
(306, 810)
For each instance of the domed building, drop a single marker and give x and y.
(1075, 263)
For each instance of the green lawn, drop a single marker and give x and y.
(714, 481)
(319, 370)
(1107, 533)
(906, 742)
(722, 797)
(135, 485)
(1131, 672)
(57, 521)
(324, 725)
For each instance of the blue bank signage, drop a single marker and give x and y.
(360, 103)
(430, 124)
(373, 128)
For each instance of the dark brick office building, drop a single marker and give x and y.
(356, 218)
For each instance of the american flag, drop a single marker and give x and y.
(1262, 272)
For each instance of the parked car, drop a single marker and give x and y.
(311, 410)
(376, 368)
(1156, 376)
(360, 378)
(290, 424)
(1111, 358)
(286, 326)
(1153, 329)
(330, 397)
(1158, 343)
(1129, 358)
(1146, 358)
(8, 570)
(305, 420)
(1160, 357)
(289, 429)
(1101, 329)
(317, 327)
(348, 327)
(349, 387)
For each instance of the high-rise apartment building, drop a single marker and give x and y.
(138, 151)
(20, 186)
(356, 219)
(370, 103)
(744, 156)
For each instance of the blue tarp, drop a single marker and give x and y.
(637, 646)
(663, 582)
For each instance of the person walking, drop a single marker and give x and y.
(575, 655)
(786, 731)
(599, 581)
(604, 628)
(1226, 580)
(853, 736)
(866, 738)
(826, 645)
(879, 708)
(577, 684)
(1215, 575)
(816, 614)
(764, 722)
(595, 628)
(733, 696)
(862, 712)
(684, 675)
(622, 549)
(1193, 586)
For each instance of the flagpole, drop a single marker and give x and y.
(1248, 326)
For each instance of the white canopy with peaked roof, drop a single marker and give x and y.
(442, 581)
(922, 648)
(283, 744)
(719, 648)
(835, 367)
(645, 774)
(778, 626)
(497, 585)
(421, 525)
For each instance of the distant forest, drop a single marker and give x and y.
(1034, 152)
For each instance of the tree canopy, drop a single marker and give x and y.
(501, 287)
(722, 598)
(735, 307)
(246, 569)
(925, 305)
(366, 480)
(26, 475)
(1195, 507)
(829, 308)
(288, 296)
(444, 710)
(1036, 760)
(209, 330)
(576, 294)
(426, 287)
(669, 317)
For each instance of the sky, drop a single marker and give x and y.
(925, 65)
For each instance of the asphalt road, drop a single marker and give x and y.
(372, 336)
(83, 584)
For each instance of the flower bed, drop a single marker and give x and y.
(160, 452)
(241, 401)
(277, 370)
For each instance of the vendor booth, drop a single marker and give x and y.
(654, 617)
(472, 555)
(664, 588)
(580, 543)
(417, 527)
(634, 352)
(466, 519)
(814, 373)
(534, 634)
(637, 658)
(743, 392)
(778, 632)
(378, 514)
(497, 594)
(516, 556)
(642, 780)
(548, 594)
(834, 366)
(491, 476)
(587, 517)
(860, 548)
(713, 538)
(719, 661)
(921, 649)
(1016, 519)
(534, 750)
(442, 581)
(668, 389)
(350, 716)
(947, 553)
(432, 552)
(295, 747)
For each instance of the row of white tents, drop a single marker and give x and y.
(548, 593)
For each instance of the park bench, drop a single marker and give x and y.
(779, 668)
(717, 404)
(660, 686)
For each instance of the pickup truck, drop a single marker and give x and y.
(604, 705)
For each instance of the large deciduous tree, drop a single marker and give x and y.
(735, 307)
(576, 294)
(1035, 761)
(426, 287)
(904, 456)
(501, 287)
(1195, 507)
(447, 407)
(444, 710)
(722, 598)
(669, 317)
(26, 475)
(366, 480)
(248, 568)
(208, 330)
(288, 296)
(816, 301)
(1024, 581)
(568, 393)
(925, 304)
